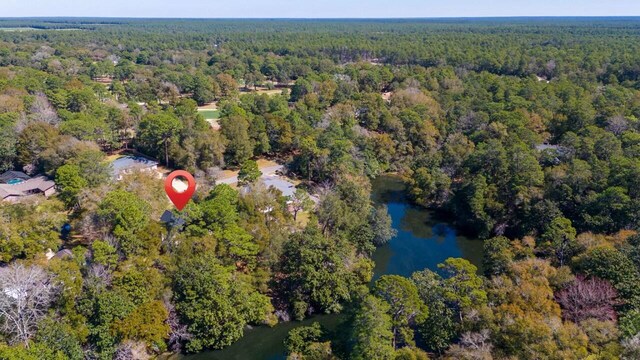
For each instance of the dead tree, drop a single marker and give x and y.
(588, 298)
(25, 296)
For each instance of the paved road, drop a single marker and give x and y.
(267, 171)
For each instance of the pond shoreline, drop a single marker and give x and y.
(423, 241)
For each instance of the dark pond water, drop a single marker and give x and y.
(422, 242)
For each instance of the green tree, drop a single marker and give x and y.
(159, 130)
(203, 89)
(28, 230)
(58, 335)
(138, 281)
(211, 303)
(92, 166)
(410, 353)
(559, 239)
(608, 211)
(372, 331)
(430, 187)
(239, 149)
(439, 328)
(249, 173)
(102, 308)
(301, 202)
(33, 141)
(7, 145)
(630, 323)
(497, 256)
(147, 323)
(35, 351)
(314, 271)
(218, 215)
(462, 286)
(118, 90)
(477, 205)
(127, 215)
(405, 306)
(104, 254)
(381, 226)
(69, 183)
(299, 339)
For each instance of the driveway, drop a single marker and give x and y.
(267, 172)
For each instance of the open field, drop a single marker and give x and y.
(210, 114)
(261, 91)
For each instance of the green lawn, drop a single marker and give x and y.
(210, 114)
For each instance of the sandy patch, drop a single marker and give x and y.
(211, 106)
(261, 91)
(215, 124)
(262, 163)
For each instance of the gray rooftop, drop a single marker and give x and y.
(11, 175)
(287, 188)
(27, 187)
(129, 163)
(542, 147)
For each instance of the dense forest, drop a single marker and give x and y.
(524, 131)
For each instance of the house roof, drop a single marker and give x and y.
(542, 147)
(286, 187)
(173, 221)
(5, 193)
(128, 163)
(11, 175)
(64, 253)
(39, 183)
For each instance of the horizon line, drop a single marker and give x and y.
(327, 18)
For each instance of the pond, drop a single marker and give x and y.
(422, 242)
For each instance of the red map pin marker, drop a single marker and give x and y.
(180, 199)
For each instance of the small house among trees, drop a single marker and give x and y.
(130, 164)
(15, 185)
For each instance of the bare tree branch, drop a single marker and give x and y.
(588, 298)
(25, 295)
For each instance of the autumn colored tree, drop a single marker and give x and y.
(588, 298)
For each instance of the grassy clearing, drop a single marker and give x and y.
(210, 114)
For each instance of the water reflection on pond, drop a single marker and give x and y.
(422, 242)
